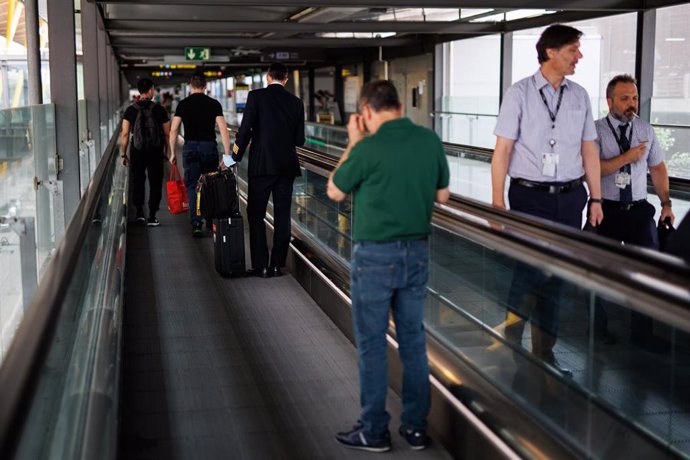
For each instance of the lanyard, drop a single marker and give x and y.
(552, 115)
(619, 141)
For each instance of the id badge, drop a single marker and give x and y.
(549, 161)
(622, 179)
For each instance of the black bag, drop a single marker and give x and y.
(146, 134)
(228, 245)
(217, 195)
(679, 241)
(664, 230)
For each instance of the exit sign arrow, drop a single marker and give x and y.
(197, 54)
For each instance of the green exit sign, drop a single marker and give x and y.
(197, 54)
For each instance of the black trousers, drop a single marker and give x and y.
(143, 164)
(630, 226)
(260, 188)
(534, 295)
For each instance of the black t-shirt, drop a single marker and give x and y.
(159, 113)
(198, 113)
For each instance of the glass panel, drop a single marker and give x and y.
(15, 92)
(70, 388)
(516, 322)
(676, 143)
(474, 71)
(671, 96)
(84, 158)
(326, 221)
(325, 138)
(466, 113)
(466, 129)
(27, 226)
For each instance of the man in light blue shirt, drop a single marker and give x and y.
(545, 141)
(628, 147)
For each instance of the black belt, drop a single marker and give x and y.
(550, 187)
(623, 206)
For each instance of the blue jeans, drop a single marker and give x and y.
(391, 276)
(198, 157)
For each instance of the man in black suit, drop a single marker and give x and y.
(274, 122)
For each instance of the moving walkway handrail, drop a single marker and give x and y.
(20, 371)
(677, 184)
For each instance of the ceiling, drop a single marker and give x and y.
(14, 19)
(147, 35)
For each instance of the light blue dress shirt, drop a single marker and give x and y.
(608, 148)
(525, 119)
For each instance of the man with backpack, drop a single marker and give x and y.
(149, 125)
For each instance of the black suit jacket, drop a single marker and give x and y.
(274, 122)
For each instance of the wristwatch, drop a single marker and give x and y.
(595, 200)
(666, 204)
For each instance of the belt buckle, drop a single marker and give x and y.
(626, 206)
(554, 188)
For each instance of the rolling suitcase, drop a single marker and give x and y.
(228, 242)
(223, 205)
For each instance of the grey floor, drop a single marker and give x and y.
(242, 368)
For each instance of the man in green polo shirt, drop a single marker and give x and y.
(396, 174)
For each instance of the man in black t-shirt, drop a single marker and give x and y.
(147, 151)
(199, 114)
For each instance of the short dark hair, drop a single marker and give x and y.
(278, 71)
(198, 80)
(380, 95)
(622, 78)
(556, 37)
(144, 85)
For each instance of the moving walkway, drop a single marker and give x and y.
(63, 379)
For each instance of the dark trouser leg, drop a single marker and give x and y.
(155, 173)
(565, 208)
(633, 226)
(192, 171)
(642, 233)
(372, 292)
(257, 201)
(520, 301)
(408, 312)
(282, 201)
(208, 163)
(138, 168)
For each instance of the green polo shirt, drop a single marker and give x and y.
(394, 175)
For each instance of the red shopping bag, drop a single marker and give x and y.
(177, 192)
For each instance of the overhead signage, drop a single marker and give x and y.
(281, 56)
(241, 94)
(197, 54)
(177, 66)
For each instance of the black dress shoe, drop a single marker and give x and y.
(275, 271)
(556, 365)
(260, 272)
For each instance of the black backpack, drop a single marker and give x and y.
(146, 134)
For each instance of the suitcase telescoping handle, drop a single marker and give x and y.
(233, 170)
